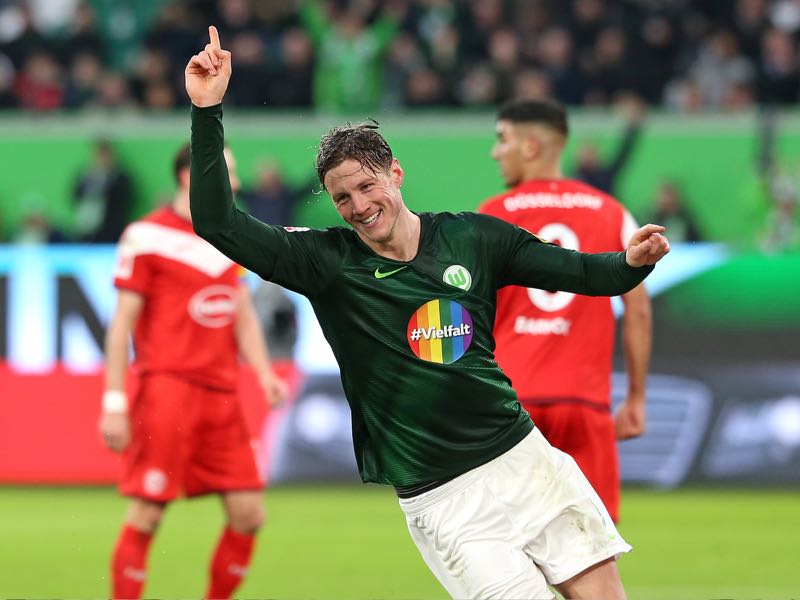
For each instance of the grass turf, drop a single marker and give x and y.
(351, 542)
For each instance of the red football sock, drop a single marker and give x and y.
(230, 563)
(128, 563)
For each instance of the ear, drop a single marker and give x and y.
(396, 173)
(183, 177)
(531, 147)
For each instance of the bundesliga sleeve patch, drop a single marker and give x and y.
(440, 331)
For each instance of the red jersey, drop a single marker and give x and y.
(191, 294)
(558, 346)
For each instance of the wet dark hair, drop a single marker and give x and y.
(181, 162)
(360, 142)
(542, 112)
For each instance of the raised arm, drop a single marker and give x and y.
(207, 76)
(275, 254)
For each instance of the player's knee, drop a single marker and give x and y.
(248, 519)
(145, 516)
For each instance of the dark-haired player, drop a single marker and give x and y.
(556, 346)
(407, 302)
(190, 316)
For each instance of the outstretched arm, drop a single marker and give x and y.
(525, 260)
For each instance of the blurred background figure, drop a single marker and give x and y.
(349, 50)
(781, 230)
(40, 84)
(7, 98)
(724, 76)
(670, 211)
(102, 197)
(272, 199)
(85, 74)
(779, 73)
(600, 173)
(278, 317)
(778, 187)
(36, 228)
(291, 74)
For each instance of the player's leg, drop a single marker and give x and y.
(129, 561)
(587, 435)
(223, 462)
(579, 544)
(598, 458)
(472, 535)
(475, 559)
(244, 510)
(231, 559)
(152, 473)
(599, 581)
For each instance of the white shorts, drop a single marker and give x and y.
(509, 528)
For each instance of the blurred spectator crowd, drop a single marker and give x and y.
(351, 56)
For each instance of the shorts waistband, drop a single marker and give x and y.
(419, 503)
(604, 407)
(411, 491)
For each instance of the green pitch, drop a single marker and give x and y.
(351, 543)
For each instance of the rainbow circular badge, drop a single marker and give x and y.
(440, 331)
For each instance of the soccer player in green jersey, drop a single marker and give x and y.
(407, 302)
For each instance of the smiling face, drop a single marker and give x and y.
(369, 201)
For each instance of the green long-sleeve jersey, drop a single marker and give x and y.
(413, 339)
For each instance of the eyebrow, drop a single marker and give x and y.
(361, 182)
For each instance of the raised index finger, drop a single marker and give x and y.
(213, 35)
(651, 228)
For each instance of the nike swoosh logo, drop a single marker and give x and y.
(379, 275)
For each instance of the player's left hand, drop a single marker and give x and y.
(647, 246)
(274, 388)
(629, 420)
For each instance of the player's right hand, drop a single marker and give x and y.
(208, 72)
(115, 427)
(275, 389)
(630, 419)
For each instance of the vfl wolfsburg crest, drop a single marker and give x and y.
(458, 276)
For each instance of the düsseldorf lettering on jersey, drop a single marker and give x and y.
(525, 201)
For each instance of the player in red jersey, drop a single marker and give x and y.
(190, 316)
(557, 347)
